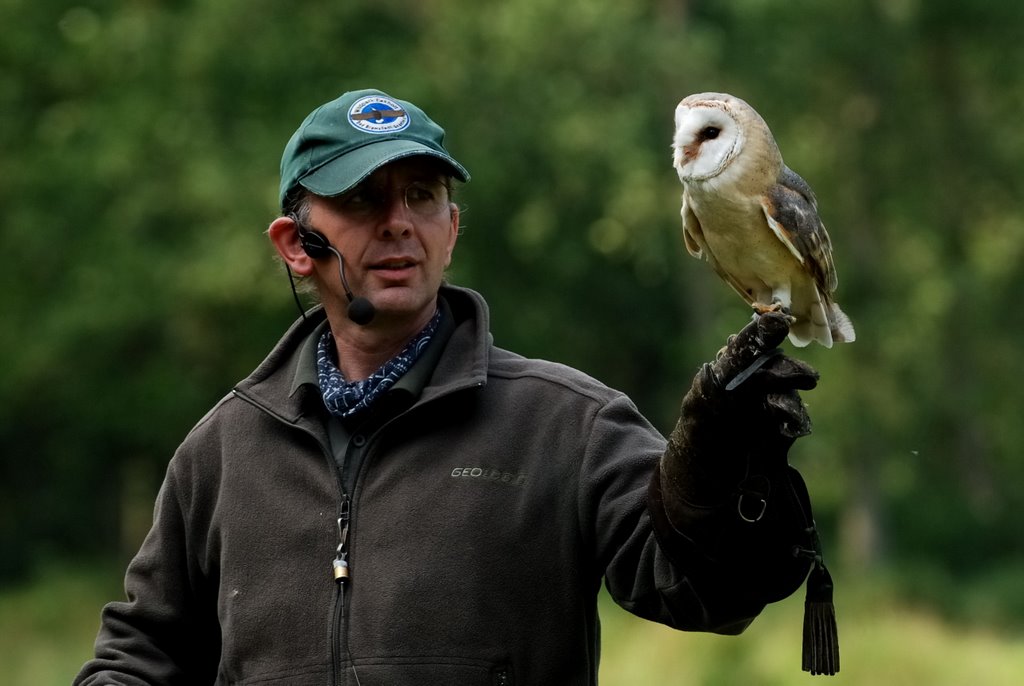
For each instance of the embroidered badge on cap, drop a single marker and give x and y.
(377, 114)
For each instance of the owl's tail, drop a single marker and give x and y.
(842, 327)
(826, 324)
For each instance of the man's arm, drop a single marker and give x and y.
(166, 631)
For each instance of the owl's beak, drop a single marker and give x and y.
(690, 151)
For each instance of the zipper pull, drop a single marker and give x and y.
(340, 564)
(340, 570)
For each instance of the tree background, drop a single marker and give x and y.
(139, 144)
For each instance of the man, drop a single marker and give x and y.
(391, 499)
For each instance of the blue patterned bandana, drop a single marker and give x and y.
(345, 399)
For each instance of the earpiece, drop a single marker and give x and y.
(314, 243)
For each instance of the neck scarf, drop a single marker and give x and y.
(344, 399)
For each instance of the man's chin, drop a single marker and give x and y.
(402, 303)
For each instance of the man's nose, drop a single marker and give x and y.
(397, 218)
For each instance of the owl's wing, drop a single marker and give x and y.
(792, 213)
(693, 234)
(693, 237)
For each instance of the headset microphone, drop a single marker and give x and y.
(360, 310)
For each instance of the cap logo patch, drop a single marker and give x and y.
(377, 114)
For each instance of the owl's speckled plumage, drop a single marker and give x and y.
(753, 218)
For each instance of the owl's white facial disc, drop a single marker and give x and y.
(707, 138)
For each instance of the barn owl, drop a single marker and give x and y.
(753, 218)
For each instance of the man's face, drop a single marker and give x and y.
(396, 231)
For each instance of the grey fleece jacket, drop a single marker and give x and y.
(480, 524)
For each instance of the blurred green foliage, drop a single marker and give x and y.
(139, 143)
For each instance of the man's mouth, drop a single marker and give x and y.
(393, 265)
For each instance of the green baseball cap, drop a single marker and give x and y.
(345, 140)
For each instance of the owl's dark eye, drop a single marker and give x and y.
(709, 133)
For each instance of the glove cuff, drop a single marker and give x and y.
(764, 528)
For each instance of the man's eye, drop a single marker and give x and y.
(420, 192)
(359, 200)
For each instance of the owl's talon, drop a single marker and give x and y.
(775, 306)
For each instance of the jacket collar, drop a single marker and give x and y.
(274, 384)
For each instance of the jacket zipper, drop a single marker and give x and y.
(341, 579)
(338, 617)
(340, 564)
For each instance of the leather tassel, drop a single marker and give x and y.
(821, 635)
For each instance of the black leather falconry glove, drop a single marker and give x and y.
(724, 488)
(739, 418)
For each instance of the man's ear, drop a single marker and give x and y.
(454, 227)
(284, 234)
